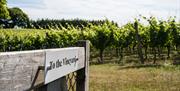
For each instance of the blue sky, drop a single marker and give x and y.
(120, 11)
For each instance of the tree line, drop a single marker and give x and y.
(16, 17)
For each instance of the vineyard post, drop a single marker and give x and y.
(83, 74)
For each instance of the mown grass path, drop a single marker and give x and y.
(112, 77)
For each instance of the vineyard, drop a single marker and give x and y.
(89, 55)
(155, 39)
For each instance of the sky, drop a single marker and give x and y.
(120, 11)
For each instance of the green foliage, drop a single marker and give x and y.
(16, 40)
(102, 36)
(18, 17)
(174, 32)
(156, 35)
(153, 29)
(4, 14)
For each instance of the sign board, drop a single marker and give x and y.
(60, 62)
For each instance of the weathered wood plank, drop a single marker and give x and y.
(18, 69)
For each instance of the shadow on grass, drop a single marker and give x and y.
(105, 62)
(141, 66)
(97, 63)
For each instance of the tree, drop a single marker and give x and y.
(18, 17)
(4, 14)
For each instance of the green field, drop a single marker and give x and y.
(112, 77)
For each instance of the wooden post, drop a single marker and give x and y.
(82, 80)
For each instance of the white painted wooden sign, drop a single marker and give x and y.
(60, 62)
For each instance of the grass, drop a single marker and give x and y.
(112, 77)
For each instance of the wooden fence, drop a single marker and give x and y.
(63, 69)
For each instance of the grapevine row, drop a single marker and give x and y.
(156, 36)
